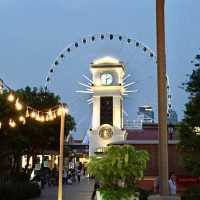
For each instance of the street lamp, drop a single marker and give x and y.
(63, 110)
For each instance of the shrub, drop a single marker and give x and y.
(19, 191)
(118, 170)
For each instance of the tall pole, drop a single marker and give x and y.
(62, 129)
(162, 97)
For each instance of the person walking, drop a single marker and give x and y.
(172, 183)
(79, 175)
(96, 186)
(65, 175)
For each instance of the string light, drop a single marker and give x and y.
(59, 111)
(12, 123)
(49, 115)
(33, 114)
(47, 118)
(22, 119)
(11, 97)
(27, 113)
(18, 105)
(42, 118)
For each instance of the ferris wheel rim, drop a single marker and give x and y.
(91, 39)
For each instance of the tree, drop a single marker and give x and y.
(33, 137)
(189, 138)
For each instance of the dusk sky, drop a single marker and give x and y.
(33, 32)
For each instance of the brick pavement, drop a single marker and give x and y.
(76, 191)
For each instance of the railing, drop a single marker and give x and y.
(133, 125)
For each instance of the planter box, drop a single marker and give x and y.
(99, 196)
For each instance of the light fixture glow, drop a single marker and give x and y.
(106, 60)
(12, 123)
(11, 97)
(27, 113)
(33, 114)
(18, 105)
(21, 118)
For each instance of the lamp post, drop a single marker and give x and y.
(62, 111)
(162, 97)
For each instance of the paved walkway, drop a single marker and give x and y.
(76, 191)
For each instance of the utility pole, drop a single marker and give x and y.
(162, 97)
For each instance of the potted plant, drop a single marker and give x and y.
(117, 171)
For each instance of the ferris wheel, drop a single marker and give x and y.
(93, 40)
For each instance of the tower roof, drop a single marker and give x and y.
(107, 61)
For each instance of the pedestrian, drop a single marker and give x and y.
(96, 186)
(172, 183)
(84, 170)
(79, 175)
(157, 184)
(65, 176)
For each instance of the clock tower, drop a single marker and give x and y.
(107, 111)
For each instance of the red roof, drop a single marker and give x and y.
(143, 134)
(148, 132)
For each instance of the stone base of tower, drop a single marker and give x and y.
(97, 143)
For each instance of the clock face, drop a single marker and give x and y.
(106, 132)
(106, 78)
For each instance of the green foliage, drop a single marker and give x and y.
(119, 168)
(117, 193)
(189, 140)
(22, 191)
(192, 193)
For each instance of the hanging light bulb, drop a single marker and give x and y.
(22, 119)
(49, 112)
(59, 111)
(42, 119)
(54, 115)
(33, 114)
(27, 113)
(11, 97)
(47, 118)
(0, 125)
(38, 117)
(12, 123)
(18, 105)
(51, 117)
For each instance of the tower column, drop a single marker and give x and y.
(117, 112)
(96, 112)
